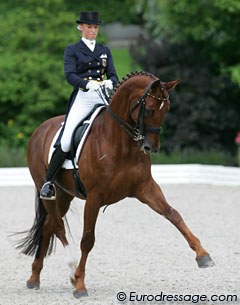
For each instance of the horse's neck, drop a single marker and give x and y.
(117, 137)
(111, 132)
(120, 105)
(129, 91)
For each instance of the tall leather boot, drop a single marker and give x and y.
(48, 190)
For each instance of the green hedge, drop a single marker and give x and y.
(16, 157)
(195, 157)
(34, 36)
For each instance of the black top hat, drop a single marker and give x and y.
(88, 18)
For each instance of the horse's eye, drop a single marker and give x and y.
(149, 113)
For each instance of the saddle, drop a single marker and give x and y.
(79, 137)
(82, 127)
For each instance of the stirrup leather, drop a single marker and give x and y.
(48, 191)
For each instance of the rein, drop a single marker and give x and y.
(138, 131)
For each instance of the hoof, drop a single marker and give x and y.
(205, 261)
(32, 285)
(80, 294)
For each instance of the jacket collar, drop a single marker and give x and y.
(84, 49)
(89, 43)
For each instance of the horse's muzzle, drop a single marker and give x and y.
(148, 148)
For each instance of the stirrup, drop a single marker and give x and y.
(48, 191)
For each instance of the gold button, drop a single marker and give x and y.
(90, 77)
(98, 63)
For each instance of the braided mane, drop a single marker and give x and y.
(127, 77)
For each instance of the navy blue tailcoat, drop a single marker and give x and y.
(82, 65)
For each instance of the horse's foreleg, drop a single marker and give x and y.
(156, 200)
(87, 243)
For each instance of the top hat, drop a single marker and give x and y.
(88, 18)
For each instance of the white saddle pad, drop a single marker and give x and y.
(67, 164)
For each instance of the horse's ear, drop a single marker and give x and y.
(171, 85)
(155, 84)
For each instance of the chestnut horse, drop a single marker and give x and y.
(114, 164)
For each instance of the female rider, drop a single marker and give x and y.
(86, 64)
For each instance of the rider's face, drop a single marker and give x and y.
(89, 31)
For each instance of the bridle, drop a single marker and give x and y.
(139, 131)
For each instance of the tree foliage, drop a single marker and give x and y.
(213, 26)
(203, 113)
(186, 41)
(33, 37)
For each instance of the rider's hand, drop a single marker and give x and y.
(108, 84)
(92, 85)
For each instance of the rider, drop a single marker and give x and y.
(85, 65)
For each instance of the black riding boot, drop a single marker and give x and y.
(48, 190)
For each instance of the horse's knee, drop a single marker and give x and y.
(87, 241)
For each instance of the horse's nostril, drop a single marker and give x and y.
(147, 149)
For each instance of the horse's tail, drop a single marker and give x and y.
(30, 243)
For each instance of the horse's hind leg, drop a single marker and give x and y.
(37, 265)
(153, 196)
(47, 232)
(56, 209)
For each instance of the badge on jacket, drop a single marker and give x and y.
(104, 59)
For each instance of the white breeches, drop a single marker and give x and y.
(82, 105)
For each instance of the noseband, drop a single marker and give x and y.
(138, 131)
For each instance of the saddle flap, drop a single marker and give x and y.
(78, 140)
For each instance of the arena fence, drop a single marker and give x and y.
(163, 174)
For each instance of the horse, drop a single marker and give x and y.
(114, 164)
